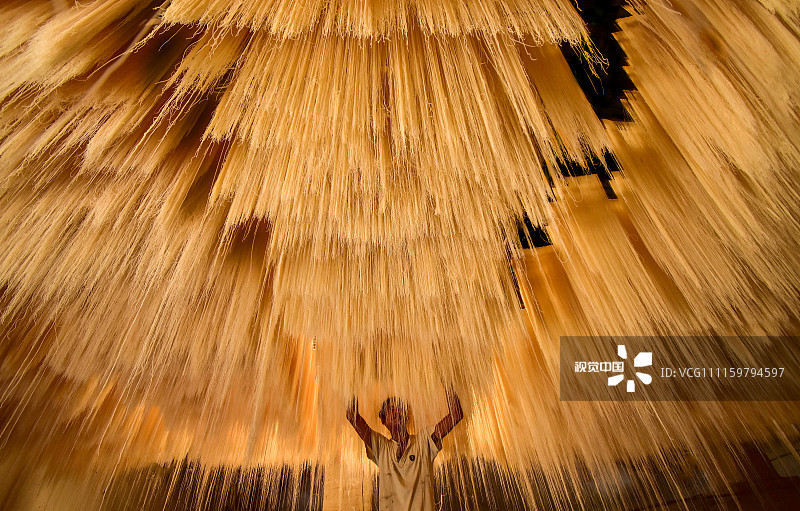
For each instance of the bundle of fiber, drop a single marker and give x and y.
(550, 20)
(577, 129)
(616, 289)
(787, 10)
(28, 17)
(700, 253)
(571, 441)
(224, 212)
(720, 98)
(719, 78)
(221, 221)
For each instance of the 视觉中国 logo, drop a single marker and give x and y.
(642, 359)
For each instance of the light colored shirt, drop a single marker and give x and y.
(407, 484)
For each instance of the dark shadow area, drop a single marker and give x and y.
(606, 89)
(185, 486)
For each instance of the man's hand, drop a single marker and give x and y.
(358, 422)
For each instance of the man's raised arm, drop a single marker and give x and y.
(358, 422)
(447, 424)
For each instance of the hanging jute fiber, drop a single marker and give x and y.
(220, 221)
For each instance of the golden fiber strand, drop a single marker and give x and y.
(551, 20)
(219, 221)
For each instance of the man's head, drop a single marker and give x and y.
(394, 415)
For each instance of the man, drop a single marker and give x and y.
(405, 462)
